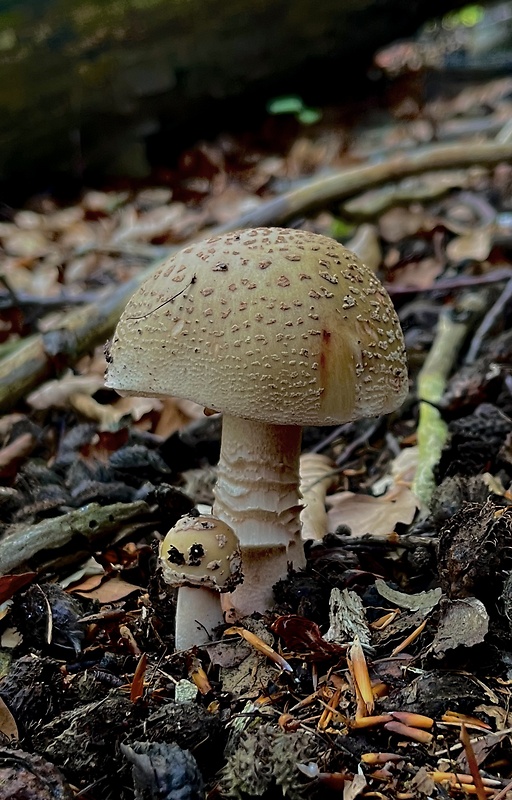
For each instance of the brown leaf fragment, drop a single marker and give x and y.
(10, 584)
(14, 453)
(366, 514)
(303, 636)
(316, 478)
(137, 687)
(463, 623)
(56, 393)
(353, 788)
(475, 245)
(8, 725)
(111, 591)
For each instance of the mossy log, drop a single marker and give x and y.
(84, 85)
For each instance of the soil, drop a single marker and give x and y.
(384, 668)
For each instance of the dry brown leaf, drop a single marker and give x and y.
(316, 478)
(171, 418)
(10, 584)
(155, 223)
(475, 245)
(399, 223)
(353, 788)
(88, 584)
(7, 722)
(15, 452)
(376, 515)
(108, 417)
(111, 591)
(365, 244)
(56, 394)
(29, 244)
(420, 274)
(137, 407)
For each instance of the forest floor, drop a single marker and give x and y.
(385, 668)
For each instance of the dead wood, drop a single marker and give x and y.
(85, 526)
(43, 355)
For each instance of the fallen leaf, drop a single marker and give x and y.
(10, 584)
(14, 453)
(56, 394)
(421, 601)
(353, 788)
(111, 591)
(7, 722)
(463, 622)
(366, 514)
(300, 635)
(137, 687)
(475, 245)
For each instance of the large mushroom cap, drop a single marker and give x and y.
(279, 325)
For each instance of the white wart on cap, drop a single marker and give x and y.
(278, 325)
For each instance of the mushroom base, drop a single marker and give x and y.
(262, 568)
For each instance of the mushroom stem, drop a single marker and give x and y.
(198, 612)
(257, 493)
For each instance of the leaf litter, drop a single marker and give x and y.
(384, 668)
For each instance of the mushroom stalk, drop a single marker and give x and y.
(198, 612)
(257, 494)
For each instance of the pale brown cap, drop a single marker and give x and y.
(278, 325)
(201, 551)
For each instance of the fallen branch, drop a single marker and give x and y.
(84, 527)
(432, 432)
(44, 355)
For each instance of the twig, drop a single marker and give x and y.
(488, 322)
(79, 331)
(85, 525)
(432, 430)
(451, 284)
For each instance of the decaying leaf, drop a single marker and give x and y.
(10, 584)
(366, 514)
(56, 393)
(110, 591)
(420, 601)
(463, 623)
(317, 474)
(300, 635)
(475, 245)
(354, 788)
(8, 725)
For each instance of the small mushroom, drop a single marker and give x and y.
(200, 556)
(276, 328)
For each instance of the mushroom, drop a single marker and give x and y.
(276, 328)
(200, 556)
